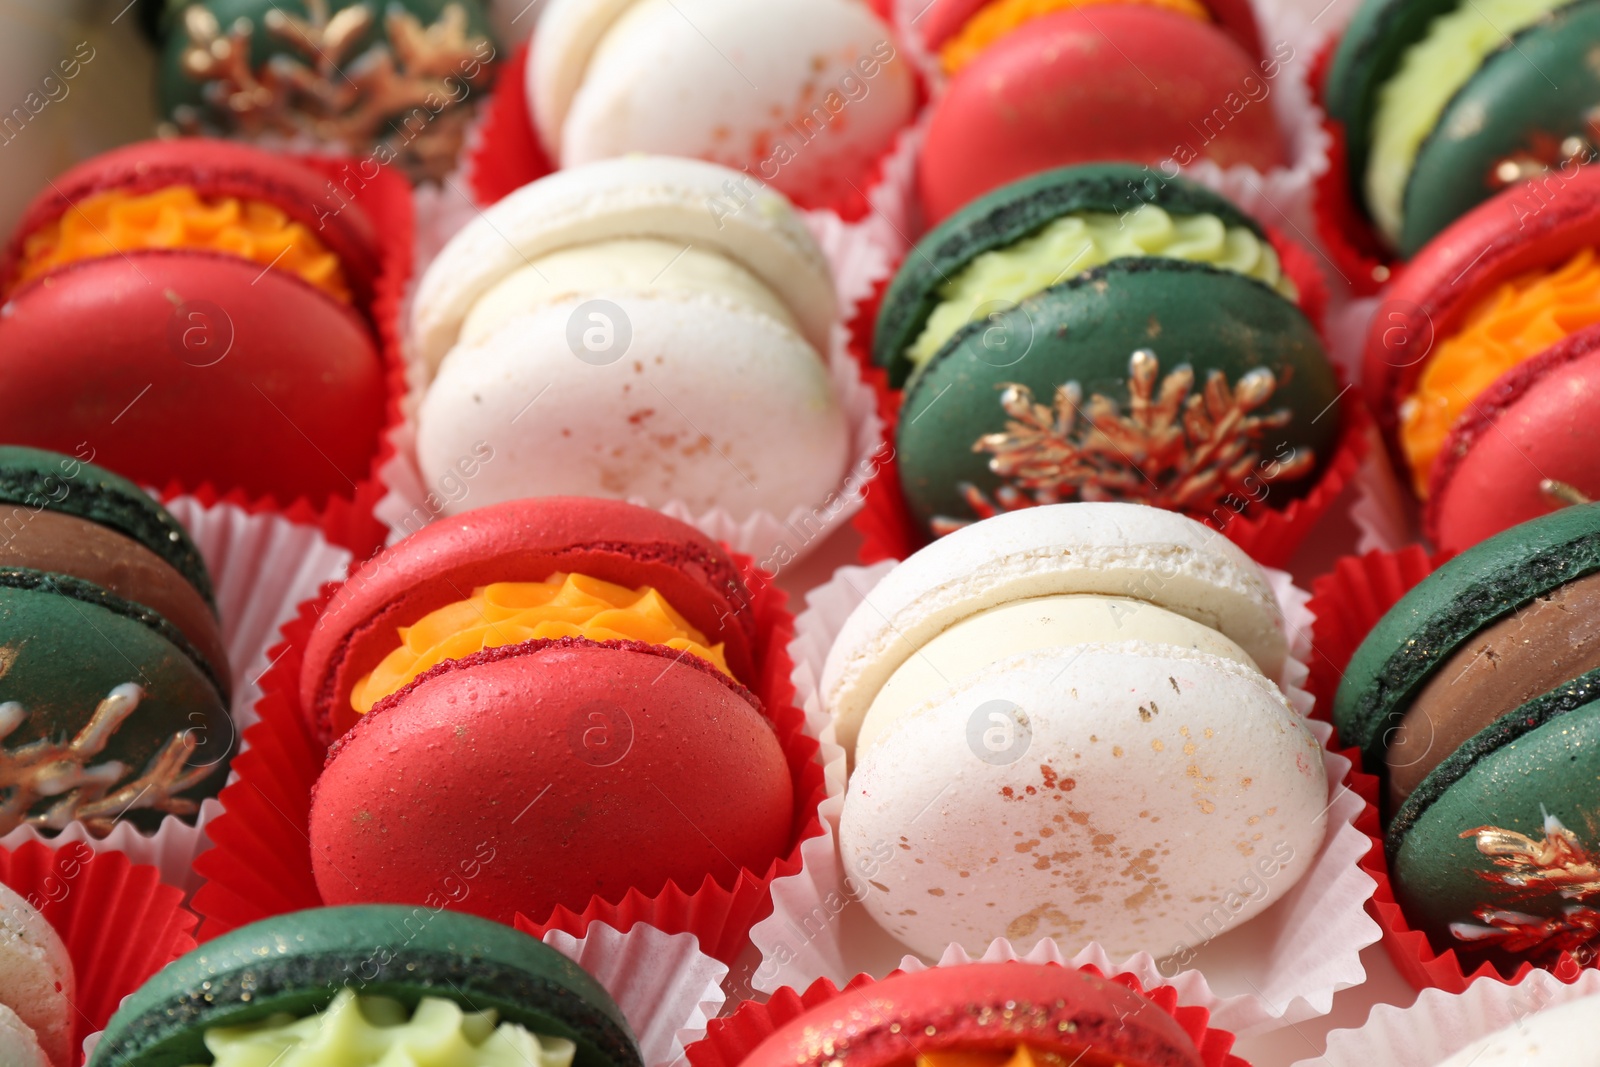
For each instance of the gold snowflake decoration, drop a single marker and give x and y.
(89, 792)
(397, 94)
(1528, 868)
(1169, 446)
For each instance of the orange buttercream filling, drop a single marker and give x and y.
(1516, 322)
(508, 613)
(1018, 1056)
(1000, 17)
(110, 223)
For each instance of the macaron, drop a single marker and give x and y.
(363, 985)
(1476, 700)
(1479, 361)
(36, 988)
(558, 687)
(982, 1013)
(1563, 1034)
(806, 97)
(1444, 103)
(645, 328)
(1038, 84)
(196, 311)
(114, 679)
(1102, 333)
(395, 82)
(1064, 721)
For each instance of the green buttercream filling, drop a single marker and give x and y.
(1430, 74)
(1073, 244)
(358, 1031)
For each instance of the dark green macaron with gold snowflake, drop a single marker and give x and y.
(390, 81)
(114, 679)
(1102, 333)
(1445, 103)
(1476, 699)
(359, 986)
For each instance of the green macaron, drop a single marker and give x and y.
(1102, 333)
(1444, 103)
(259, 981)
(1476, 699)
(114, 678)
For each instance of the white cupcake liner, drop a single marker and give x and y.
(858, 261)
(1441, 1024)
(262, 567)
(667, 988)
(1280, 968)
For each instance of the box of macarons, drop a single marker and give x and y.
(799, 533)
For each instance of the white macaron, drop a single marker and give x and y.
(803, 94)
(1562, 1035)
(19, 1045)
(36, 981)
(630, 330)
(1061, 727)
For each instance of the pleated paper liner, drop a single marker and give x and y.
(1441, 1024)
(730, 1039)
(510, 156)
(1269, 535)
(260, 864)
(860, 264)
(1348, 602)
(1280, 968)
(120, 923)
(667, 988)
(262, 566)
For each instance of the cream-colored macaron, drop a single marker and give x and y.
(19, 1045)
(1061, 728)
(1562, 1035)
(36, 978)
(804, 94)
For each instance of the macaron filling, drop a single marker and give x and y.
(1001, 17)
(369, 1031)
(1078, 242)
(1516, 322)
(178, 217)
(509, 613)
(1432, 71)
(1019, 1055)
(971, 645)
(632, 266)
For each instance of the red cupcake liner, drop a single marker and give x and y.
(120, 923)
(260, 862)
(1348, 602)
(1269, 536)
(734, 1036)
(508, 155)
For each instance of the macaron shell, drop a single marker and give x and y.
(37, 986)
(1113, 549)
(1563, 1034)
(1139, 790)
(19, 1046)
(1052, 1009)
(701, 78)
(563, 43)
(942, 19)
(1054, 94)
(1536, 422)
(217, 169)
(1085, 330)
(297, 962)
(703, 402)
(686, 200)
(1448, 609)
(519, 541)
(249, 379)
(584, 770)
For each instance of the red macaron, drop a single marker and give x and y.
(1051, 1010)
(135, 325)
(1109, 81)
(1532, 422)
(558, 770)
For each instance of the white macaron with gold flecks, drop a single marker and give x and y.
(36, 988)
(1059, 720)
(629, 329)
